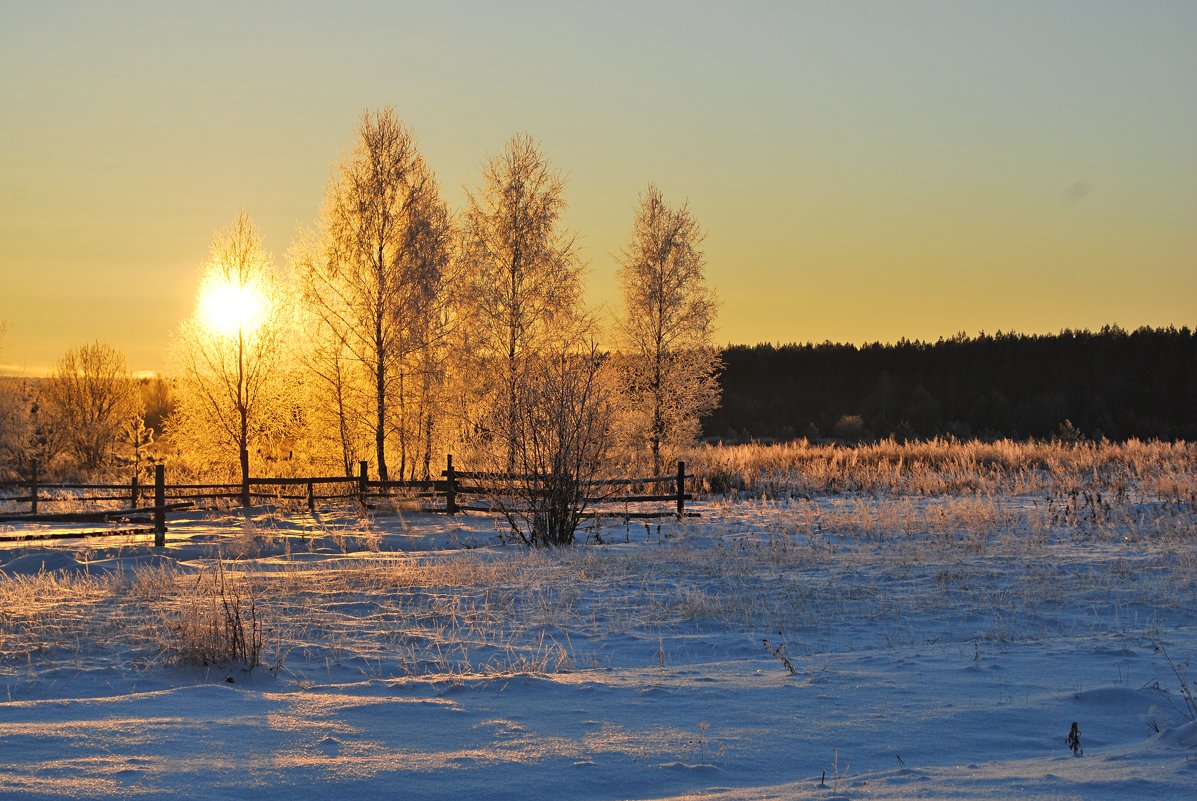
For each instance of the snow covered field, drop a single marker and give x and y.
(849, 646)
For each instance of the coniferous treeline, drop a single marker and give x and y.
(1110, 383)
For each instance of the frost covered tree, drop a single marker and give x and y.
(664, 331)
(337, 419)
(525, 276)
(92, 398)
(428, 394)
(28, 441)
(335, 394)
(27, 437)
(378, 273)
(563, 418)
(234, 391)
(13, 417)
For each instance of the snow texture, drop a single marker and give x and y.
(844, 647)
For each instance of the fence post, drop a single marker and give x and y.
(33, 490)
(133, 492)
(363, 480)
(681, 490)
(159, 505)
(450, 488)
(311, 499)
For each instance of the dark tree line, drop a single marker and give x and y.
(1110, 383)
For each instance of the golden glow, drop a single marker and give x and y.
(227, 308)
(862, 174)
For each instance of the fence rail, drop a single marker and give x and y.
(157, 511)
(497, 488)
(360, 488)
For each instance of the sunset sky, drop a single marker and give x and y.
(864, 171)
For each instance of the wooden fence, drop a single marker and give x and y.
(133, 514)
(453, 486)
(495, 485)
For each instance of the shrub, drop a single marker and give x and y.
(217, 623)
(562, 438)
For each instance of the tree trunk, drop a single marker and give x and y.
(380, 429)
(243, 409)
(512, 343)
(343, 425)
(427, 447)
(244, 476)
(658, 429)
(402, 422)
(426, 419)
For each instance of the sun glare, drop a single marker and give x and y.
(227, 308)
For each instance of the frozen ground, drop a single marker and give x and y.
(850, 647)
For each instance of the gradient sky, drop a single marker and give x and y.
(864, 171)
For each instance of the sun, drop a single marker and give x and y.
(227, 308)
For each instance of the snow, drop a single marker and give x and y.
(856, 647)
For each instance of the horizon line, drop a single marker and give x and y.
(45, 371)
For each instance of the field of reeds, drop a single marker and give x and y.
(948, 466)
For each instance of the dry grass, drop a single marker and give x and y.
(54, 610)
(214, 620)
(943, 466)
(968, 569)
(914, 551)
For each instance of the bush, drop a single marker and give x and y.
(217, 623)
(562, 438)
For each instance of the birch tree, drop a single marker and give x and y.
(524, 270)
(385, 248)
(337, 408)
(234, 390)
(335, 395)
(664, 332)
(429, 370)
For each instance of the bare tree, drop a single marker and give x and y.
(337, 414)
(429, 389)
(335, 396)
(563, 415)
(422, 364)
(668, 364)
(381, 264)
(233, 389)
(525, 276)
(91, 398)
(21, 426)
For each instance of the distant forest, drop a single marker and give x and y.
(1111, 383)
